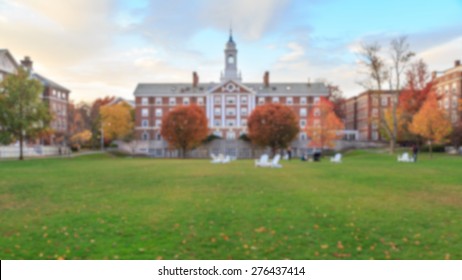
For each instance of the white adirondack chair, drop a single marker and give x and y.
(227, 159)
(263, 161)
(218, 159)
(337, 158)
(275, 161)
(405, 158)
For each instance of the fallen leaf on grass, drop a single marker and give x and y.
(260, 229)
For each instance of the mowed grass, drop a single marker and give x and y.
(99, 207)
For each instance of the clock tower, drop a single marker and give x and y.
(231, 61)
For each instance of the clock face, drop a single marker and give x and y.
(231, 59)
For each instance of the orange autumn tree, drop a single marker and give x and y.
(273, 125)
(431, 122)
(323, 125)
(184, 128)
(116, 121)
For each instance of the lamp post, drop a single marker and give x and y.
(102, 135)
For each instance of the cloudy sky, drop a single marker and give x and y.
(105, 47)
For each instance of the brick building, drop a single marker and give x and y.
(227, 104)
(448, 86)
(54, 95)
(362, 113)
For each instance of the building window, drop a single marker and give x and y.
(375, 112)
(261, 100)
(243, 111)
(158, 101)
(158, 112)
(303, 136)
(230, 135)
(217, 133)
(384, 101)
(303, 100)
(217, 99)
(217, 123)
(144, 112)
(172, 101)
(375, 135)
(230, 100)
(144, 101)
(243, 100)
(158, 123)
(144, 123)
(316, 100)
(185, 100)
(317, 112)
(217, 111)
(230, 111)
(289, 101)
(145, 136)
(243, 122)
(200, 101)
(275, 100)
(230, 123)
(302, 123)
(303, 112)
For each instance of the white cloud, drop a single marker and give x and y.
(442, 57)
(296, 53)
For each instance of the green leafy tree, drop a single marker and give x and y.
(23, 115)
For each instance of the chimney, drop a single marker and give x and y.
(457, 63)
(195, 79)
(266, 79)
(27, 63)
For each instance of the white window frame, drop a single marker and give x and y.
(172, 101)
(217, 99)
(200, 100)
(244, 100)
(303, 112)
(217, 111)
(144, 101)
(158, 100)
(158, 112)
(217, 123)
(145, 112)
(230, 111)
(244, 111)
(302, 123)
(158, 123)
(231, 123)
(261, 100)
(144, 123)
(230, 100)
(303, 100)
(185, 100)
(275, 100)
(289, 101)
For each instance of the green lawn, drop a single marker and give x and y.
(99, 207)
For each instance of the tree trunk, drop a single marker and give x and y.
(392, 145)
(21, 139)
(431, 150)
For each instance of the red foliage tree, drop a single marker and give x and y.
(416, 90)
(273, 125)
(324, 125)
(184, 128)
(431, 122)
